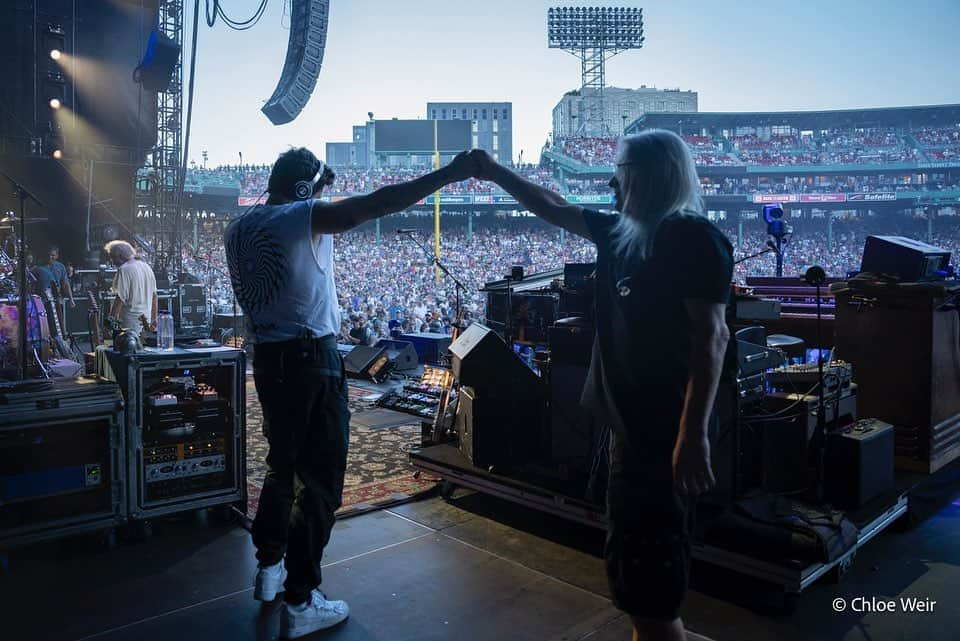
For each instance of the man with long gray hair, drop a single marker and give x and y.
(135, 287)
(663, 276)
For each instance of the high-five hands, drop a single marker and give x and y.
(476, 163)
(462, 167)
(484, 162)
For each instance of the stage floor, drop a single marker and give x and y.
(472, 569)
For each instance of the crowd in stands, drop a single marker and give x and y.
(824, 185)
(391, 284)
(833, 147)
(358, 181)
(591, 151)
(784, 150)
(810, 245)
(937, 136)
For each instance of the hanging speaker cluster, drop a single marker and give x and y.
(308, 37)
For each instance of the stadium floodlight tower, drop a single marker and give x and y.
(594, 35)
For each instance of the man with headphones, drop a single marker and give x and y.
(280, 256)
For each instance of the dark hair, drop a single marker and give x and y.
(291, 167)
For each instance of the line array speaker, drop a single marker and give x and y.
(308, 38)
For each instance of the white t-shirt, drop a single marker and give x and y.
(135, 286)
(282, 278)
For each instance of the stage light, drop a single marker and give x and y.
(53, 40)
(58, 154)
(54, 88)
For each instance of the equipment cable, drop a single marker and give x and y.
(236, 25)
(186, 138)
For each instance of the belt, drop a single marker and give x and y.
(321, 343)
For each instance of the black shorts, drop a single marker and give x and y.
(647, 549)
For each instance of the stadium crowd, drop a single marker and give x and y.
(351, 181)
(391, 284)
(830, 147)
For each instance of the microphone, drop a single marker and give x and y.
(406, 230)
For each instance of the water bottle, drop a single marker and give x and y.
(165, 331)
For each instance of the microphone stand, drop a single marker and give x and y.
(752, 256)
(779, 251)
(816, 276)
(438, 263)
(22, 194)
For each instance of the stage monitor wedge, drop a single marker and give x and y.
(308, 38)
(483, 361)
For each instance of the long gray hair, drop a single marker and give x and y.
(121, 249)
(658, 178)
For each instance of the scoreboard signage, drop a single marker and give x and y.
(449, 200)
(822, 198)
(592, 199)
(873, 197)
(763, 199)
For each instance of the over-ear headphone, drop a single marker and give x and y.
(304, 188)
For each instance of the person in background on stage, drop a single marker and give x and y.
(38, 278)
(280, 257)
(59, 274)
(135, 287)
(663, 277)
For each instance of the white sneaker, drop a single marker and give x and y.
(315, 614)
(269, 582)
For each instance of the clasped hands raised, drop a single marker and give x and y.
(476, 163)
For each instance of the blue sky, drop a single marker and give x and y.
(392, 57)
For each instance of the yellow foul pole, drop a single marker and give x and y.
(436, 203)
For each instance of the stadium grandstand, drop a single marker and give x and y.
(841, 175)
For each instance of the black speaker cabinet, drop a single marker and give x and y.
(908, 259)
(367, 362)
(496, 432)
(571, 428)
(190, 306)
(75, 320)
(785, 438)
(859, 463)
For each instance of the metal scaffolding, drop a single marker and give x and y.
(159, 216)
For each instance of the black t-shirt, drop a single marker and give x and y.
(642, 324)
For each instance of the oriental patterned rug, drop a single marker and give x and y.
(378, 467)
